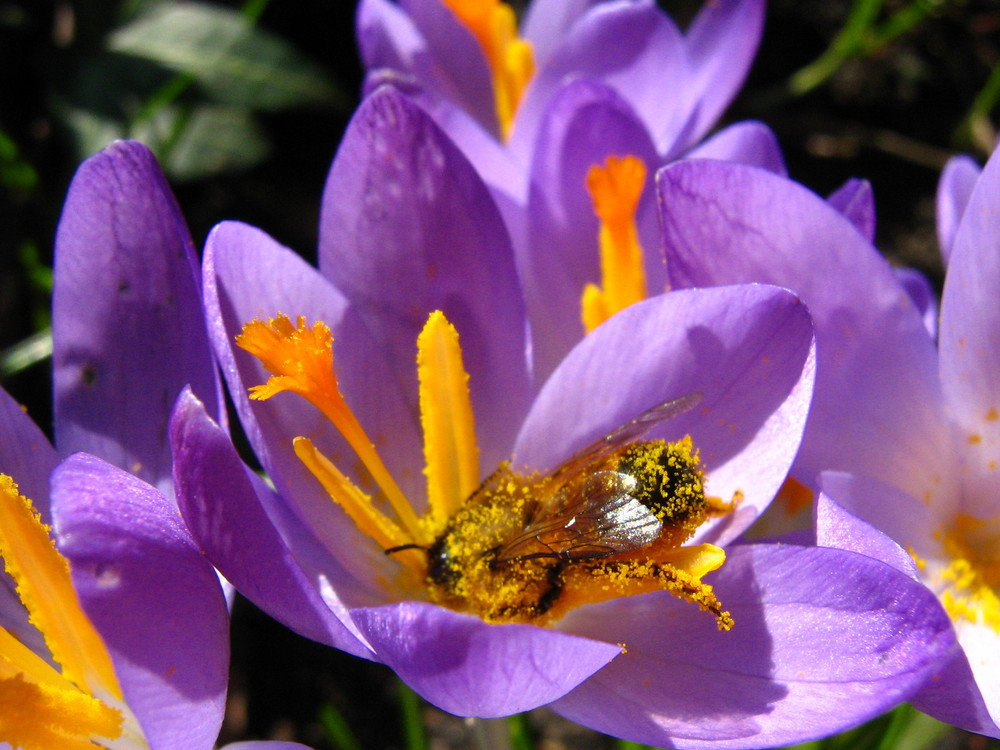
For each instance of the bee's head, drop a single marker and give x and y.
(441, 564)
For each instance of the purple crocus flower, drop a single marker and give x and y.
(823, 638)
(128, 647)
(140, 636)
(906, 430)
(598, 82)
(473, 67)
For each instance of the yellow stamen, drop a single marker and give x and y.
(615, 189)
(41, 717)
(45, 587)
(370, 521)
(39, 708)
(971, 580)
(628, 576)
(699, 559)
(450, 452)
(301, 361)
(510, 59)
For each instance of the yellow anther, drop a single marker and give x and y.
(970, 582)
(450, 452)
(615, 189)
(300, 359)
(39, 707)
(45, 587)
(41, 717)
(510, 58)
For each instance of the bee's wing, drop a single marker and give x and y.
(629, 432)
(592, 518)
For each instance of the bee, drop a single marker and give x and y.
(528, 547)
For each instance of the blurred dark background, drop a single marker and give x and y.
(917, 86)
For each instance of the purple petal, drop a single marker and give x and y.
(586, 123)
(546, 23)
(748, 142)
(721, 44)
(248, 275)
(954, 189)
(469, 668)
(388, 39)
(460, 63)
(128, 331)
(913, 524)
(425, 44)
(855, 199)
(504, 176)
(408, 228)
(923, 296)
(746, 349)
(631, 47)
(264, 745)
(837, 527)
(25, 453)
(970, 341)
(824, 639)
(876, 380)
(228, 521)
(953, 696)
(152, 596)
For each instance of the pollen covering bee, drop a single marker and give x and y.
(608, 522)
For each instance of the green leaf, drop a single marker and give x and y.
(229, 59)
(204, 139)
(335, 727)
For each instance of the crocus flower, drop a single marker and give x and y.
(128, 646)
(119, 638)
(373, 457)
(599, 84)
(906, 430)
(469, 61)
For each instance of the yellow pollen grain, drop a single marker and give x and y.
(44, 586)
(615, 189)
(510, 58)
(300, 360)
(971, 580)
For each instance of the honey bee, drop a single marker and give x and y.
(528, 547)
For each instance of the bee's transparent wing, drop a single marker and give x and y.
(593, 518)
(630, 432)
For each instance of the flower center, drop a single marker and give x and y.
(970, 582)
(516, 547)
(40, 707)
(615, 189)
(510, 59)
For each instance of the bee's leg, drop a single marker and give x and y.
(555, 581)
(677, 582)
(719, 507)
(528, 612)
